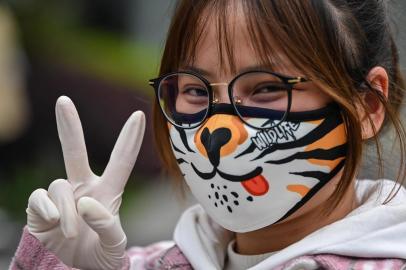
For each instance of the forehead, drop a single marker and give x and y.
(227, 44)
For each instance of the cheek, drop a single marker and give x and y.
(309, 99)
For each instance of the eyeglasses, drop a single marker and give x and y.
(186, 98)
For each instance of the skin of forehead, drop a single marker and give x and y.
(207, 54)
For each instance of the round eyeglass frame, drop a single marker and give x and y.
(289, 81)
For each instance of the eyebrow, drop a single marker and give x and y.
(210, 74)
(198, 70)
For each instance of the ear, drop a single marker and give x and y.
(378, 79)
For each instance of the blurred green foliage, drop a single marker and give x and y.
(53, 32)
(23, 180)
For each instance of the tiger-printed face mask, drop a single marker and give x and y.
(246, 178)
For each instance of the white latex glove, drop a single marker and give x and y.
(77, 219)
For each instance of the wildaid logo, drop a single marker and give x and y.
(284, 131)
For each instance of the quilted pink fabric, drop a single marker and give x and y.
(32, 255)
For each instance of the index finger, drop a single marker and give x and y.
(125, 153)
(72, 141)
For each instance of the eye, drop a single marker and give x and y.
(193, 95)
(196, 92)
(269, 88)
(269, 95)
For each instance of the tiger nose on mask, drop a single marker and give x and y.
(213, 142)
(220, 136)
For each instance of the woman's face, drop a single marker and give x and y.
(305, 96)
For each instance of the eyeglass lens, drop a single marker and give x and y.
(264, 93)
(184, 98)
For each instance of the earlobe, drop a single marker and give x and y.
(379, 81)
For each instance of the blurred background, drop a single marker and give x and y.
(101, 54)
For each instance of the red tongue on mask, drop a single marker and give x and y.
(256, 186)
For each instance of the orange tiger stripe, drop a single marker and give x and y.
(323, 162)
(301, 189)
(315, 122)
(334, 138)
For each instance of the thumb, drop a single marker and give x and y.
(106, 225)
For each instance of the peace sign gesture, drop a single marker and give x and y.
(77, 219)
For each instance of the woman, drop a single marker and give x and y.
(263, 108)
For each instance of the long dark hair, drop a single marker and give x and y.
(335, 43)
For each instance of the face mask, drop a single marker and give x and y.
(246, 178)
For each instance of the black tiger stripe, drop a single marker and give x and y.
(205, 176)
(312, 174)
(249, 150)
(328, 154)
(319, 132)
(183, 137)
(323, 179)
(181, 160)
(176, 149)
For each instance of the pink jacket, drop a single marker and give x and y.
(32, 255)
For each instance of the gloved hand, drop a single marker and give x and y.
(77, 219)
